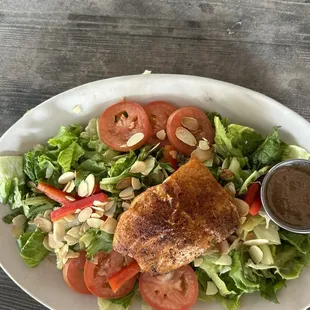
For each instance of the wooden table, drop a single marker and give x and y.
(47, 47)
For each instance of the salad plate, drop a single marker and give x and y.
(79, 105)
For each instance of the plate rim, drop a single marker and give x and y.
(257, 94)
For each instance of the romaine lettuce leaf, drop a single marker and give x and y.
(252, 178)
(223, 144)
(269, 152)
(68, 157)
(244, 138)
(294, 152)
(95, 240)
(271, 233)
(65, 137)
(32, 248)
(11, 167)
(237, 274)
(299, 241)
(212, 271)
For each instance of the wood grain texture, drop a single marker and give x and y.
(47, 47)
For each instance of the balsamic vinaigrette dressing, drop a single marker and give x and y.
(288, 195)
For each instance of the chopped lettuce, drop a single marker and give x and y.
(244, 138)
(95, 240)
(11, 167)
(32, 249)
(68, 157)
(294, 152)
(269, 152)
(223, 144)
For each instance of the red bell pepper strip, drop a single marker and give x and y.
(251, 194)
(256, 205)
(53, 193)
(125, 274)
(170, 156)
(81, 204)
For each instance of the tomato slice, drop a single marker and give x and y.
(205, 129)
(170, 156)
(177, 290)
(100, 269)
(158, 113)
(121, 121)
(73, 273)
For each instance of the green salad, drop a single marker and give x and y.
(76, 169)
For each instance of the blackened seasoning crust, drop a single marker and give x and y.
(171, 224)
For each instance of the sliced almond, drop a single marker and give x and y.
(97, 208)
(201, 154)
(109, 225)
(255, 242)
(230, 189)
(47, 214)
(190, 123)
(256, 254)
(17, 231)
(71, 240)
(84, 227)
(135, 183)
(198, 261)
(95, 223)
(155, 147)
(70, 198)
(186, 136)
(62, 252)
(204, 145)
(74, 231)
(125, 205)
(100, 213)
(99, 204)
(95, 215)
(110, 208)
(59, 231)
(211, 288)
(83, 189)
(109, 205)
(53, 243)
(123, 183)
(137, 167)
(224, 260)
(69, 187)
(44, 224)
(223, 247)
(85, 214)
(161, 135)
(46, 245)
(19, 220)
(72, 254)
(130, 197)
(242, 207)
(135, 139)
(149, 165)
(90, 181)
(174, 154)
(126, 192)
(66, 177)
(70, 218)
(77, 211)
